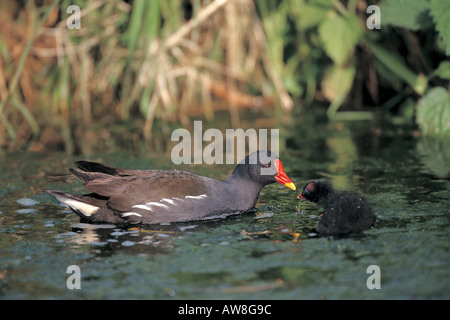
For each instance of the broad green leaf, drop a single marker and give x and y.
(339, 36)
(411, 14)
(311, 16)
(443, 70)
(440, 11)
(336, 86)
(337, 82)
(433, 112)
(307, 14)
(311, 13)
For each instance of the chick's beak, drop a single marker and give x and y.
(301, 197)
(282, 176)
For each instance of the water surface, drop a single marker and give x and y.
(266, 254)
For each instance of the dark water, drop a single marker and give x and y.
(266, 254)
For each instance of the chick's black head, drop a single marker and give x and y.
(316, 191)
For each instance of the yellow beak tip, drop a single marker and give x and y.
(291, 186)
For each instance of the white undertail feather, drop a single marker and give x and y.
(84, 208)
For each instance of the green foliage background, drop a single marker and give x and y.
(149, 63)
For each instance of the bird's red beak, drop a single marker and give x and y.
(282, 176)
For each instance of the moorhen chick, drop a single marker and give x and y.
(345, 212)
(121, 196)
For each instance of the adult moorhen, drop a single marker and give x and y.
(345, 212)
(121, 196)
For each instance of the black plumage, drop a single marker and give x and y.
(345, 212)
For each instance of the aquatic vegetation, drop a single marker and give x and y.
(144, 67)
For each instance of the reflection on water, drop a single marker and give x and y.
(266, 254)
(109, 238)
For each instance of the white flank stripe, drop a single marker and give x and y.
(142, 206)
(157, 204)
(197, 197)
(149, 206)
(170, 201)
(126, 214)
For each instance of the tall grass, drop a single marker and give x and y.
(162, 62)
(9, 94)
(142, 59)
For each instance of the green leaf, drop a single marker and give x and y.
(339, 36)
(336, 85)
(442, 71)
(433, 112)
(338, 80)
(411, 14)
(440, 11)
(309, 14)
